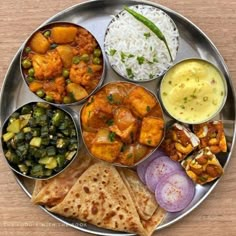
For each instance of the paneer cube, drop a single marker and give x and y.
(152, 131)
(203, 166)
(96, 114)
(105, 146)
(47, 66)
(125, 125)
(211, 134)
(140, 101)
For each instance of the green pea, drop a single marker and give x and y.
(75, 60)
(67, 100)
(26, 64)
(27, 49)
(30, 79)
(97, 52)
(40, 93)
(65, 73)
(49, 98)
(84, 57)
(47, 33)
(96, 61)
(31, 72)
(68, 81)
(53, 46)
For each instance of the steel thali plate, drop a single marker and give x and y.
(95, 16)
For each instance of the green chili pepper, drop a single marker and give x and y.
(150, 25)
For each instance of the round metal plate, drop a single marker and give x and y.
(95, 16)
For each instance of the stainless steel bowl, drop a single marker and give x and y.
(171, 74)
(44, 28)
(52, 107)
(149, 153)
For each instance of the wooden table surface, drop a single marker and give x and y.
(216, 216)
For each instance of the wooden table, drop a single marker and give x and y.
(216, 216)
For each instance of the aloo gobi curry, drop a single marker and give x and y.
(62, 63)
(122, 123)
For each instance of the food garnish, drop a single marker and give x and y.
(151, 26)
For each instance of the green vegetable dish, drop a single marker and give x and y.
(39, 140)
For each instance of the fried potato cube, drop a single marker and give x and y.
(152, 130)
(125, 125)
(211, 134)
(179, 142)
(140, 101)
(39, 43)
(47, 66)
(128, 156)
(66, 54)
(63, 34)
(96, 113)
(203, 166)
(77, 91)
(105, 146)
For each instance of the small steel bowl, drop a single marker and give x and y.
(128, 62)
(156, 112)
(27, 77)
(67, 111)
(196, 67)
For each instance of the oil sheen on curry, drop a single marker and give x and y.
(193, 91)
(62, 63)
(122, 123)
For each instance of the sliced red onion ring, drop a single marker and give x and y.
(157, 168)
(175, 191)
(141, 168)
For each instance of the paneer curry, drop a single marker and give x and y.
(122, 123)
(62, 63)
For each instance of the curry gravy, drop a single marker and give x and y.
(193, 91)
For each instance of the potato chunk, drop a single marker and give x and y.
(151, 131)
(39, 43)
(77, 91)
(140, 101)
(63, 34)
(66, 54)
(47, 66)
(105, 146)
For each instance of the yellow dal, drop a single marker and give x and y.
(192, 91)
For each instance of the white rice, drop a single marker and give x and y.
(134, 51)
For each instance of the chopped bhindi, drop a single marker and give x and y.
(39, 140)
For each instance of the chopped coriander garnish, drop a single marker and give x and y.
(111, 136)
(147, 35)
(129, 72)
(112, 52)
(155, 60)
(89, 70)
(151, 76)
(193, 96)
(123, 55)
(110, 122)
(89, 114)
(149, 141)
(90, 101)
(130, 155)
(182, 106)
(148, 108)
(164, 94)
(130, 55)
(140, 60)
(110, 98)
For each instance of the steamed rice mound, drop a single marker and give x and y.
(134, 51)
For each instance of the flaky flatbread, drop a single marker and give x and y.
(143, 199)
(51, 192)
(100, 197)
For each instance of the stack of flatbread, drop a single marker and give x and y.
(101, 194)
